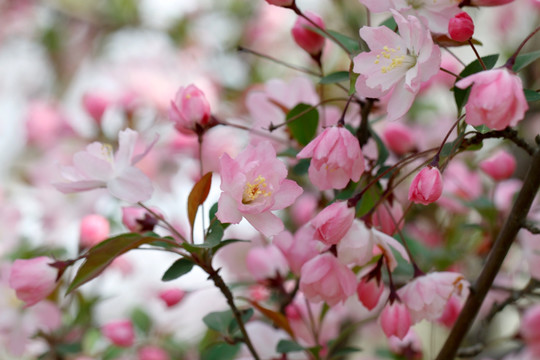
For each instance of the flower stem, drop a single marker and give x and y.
(511, 61)
(477, 55)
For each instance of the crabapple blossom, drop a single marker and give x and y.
(94, 229)
(172, 296)
(490, 2)
(152, 353)
(96, 103)
(451, 311)
(96, 167)
(399, 138)
(138, 219)
(336, 158)
(283, 3)
(396, 63)
(119, 332)
(324, 278)
(386, 217)
(266, 262)
(500, 166)
(298, 249)
(426, 186)
(33, 279)
(461, 27)
(190, 111)
(395, 320)
(496, 99)
(530, 329)
(306, 38)
(333, 222)
(426, 296)
(254, 184)
(369, 292)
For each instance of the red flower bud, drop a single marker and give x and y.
(461, 27)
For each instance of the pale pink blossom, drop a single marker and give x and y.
(399, 138)
(426, 296)
(461, 27)
(496, 99)
(396, 63)
(333, 222)
(258, 292)
(500, 166)
(451, 311)
(386, 217)
(298, 249)
(324, 278)
(152, 353)
(369, 292)
(253, 185)
(306, 38)
(530, 329)
(119, 332)
(505, 193)
(33, 279)
(95, 103)
(304, 208)
(190, 111)
(172, 296)
(461, 183)
(426, 186)
(45, 124)
(336, 158)
(434, 14)
(409, 347)
(96, 167)
(395, 320)
(93, 229)
(266, 262)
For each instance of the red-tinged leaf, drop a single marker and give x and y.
(279, 319)
(101, 255)
(198, 194)
(444, 40)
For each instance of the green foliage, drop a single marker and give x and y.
(335, 77)
(531, 95)
(141, 320)
(220, 351)
(224, 322)
(287, 346)
(352, 45)
(304, 126)
(524, 60)
(179, 268)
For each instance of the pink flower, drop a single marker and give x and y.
(451, 312)
(461, 27)
(496, 99)
(96, 103)
(190, 110)
(304, 208)
(386, 217)
(298, 249)
(94, 229)
(324, 278)
(98, 168)
(530, 329)
(500, 166)
(284, 3)
(33, 279)
(333, 222)
(336, 158)
(369, 292)
(137, 219)
(399, 138)
(426, 186)
(172, 296)
(395, 320)
(266, 262)
(426, 296)
(306, 38)
(120, 332)
(490, 2)
(396, 63)
(152, 353)
(253, 185)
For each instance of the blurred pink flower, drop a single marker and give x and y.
(253, 185)
(152, 353)
(395, 320)
(386, 217)
(530, 329)
(280, 2)
(119, 332)
(96, 167)
(266, 262)
(93, 229)
(172, 296)
(500, 166)
(399, 138)
(298, 249)
(33, 279)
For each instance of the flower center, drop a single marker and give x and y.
(392, 58)
(417, 4)
(252, 191)
(107, 152)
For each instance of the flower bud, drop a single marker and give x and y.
(33, 279)
(369, 292)
(395, 320)
(399, 138)
(461, 27)
(500, 166)
(426, 187)
(333, 222)
(94, 229)
(489, 2)
(306, 38)
(137, 219)
(284, 3)
(190, 110)
(172, 296)
(120, 333)
(152, 353)
(95, 105)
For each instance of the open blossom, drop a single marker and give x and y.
(496, 99)
(96, 167)
(426, 186)
(254, 184)
(336, 158)
(426, 296)
(396, 63)
(33, 279)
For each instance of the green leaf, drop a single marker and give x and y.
(482, 129)
(525, 59)
(461, 95)
(214, 234)
(101, 255)
(219, 321)
(179, 268)
(198, 194)
(304, 126)
(335, 77)
(531, 95)
(287, 346)
(141, 320)
(221, 351)
(112, 352)
(389, 23)
(344, 351)
(301, 168)
(349, 43)
(246, 315)
(213, 211)
(69, 348)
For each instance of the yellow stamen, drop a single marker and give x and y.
(252, 191)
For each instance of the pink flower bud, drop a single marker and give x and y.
(530, 329)
(284, 3)
(190, 110)
(266, 262)
(120, 332)
(461, 27)
(152, 353)
(426, 186)
(386, 217)
(304, 208)
(172, 296)
(451, 312)
(95, 105)
(499, 166)
(333, 222)
(395, 320)
(369, 293)
(489, 2)
(258, 293)
(94, 229)
(399, 138)
(33, 279)
(137, 219)
(306, 38)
